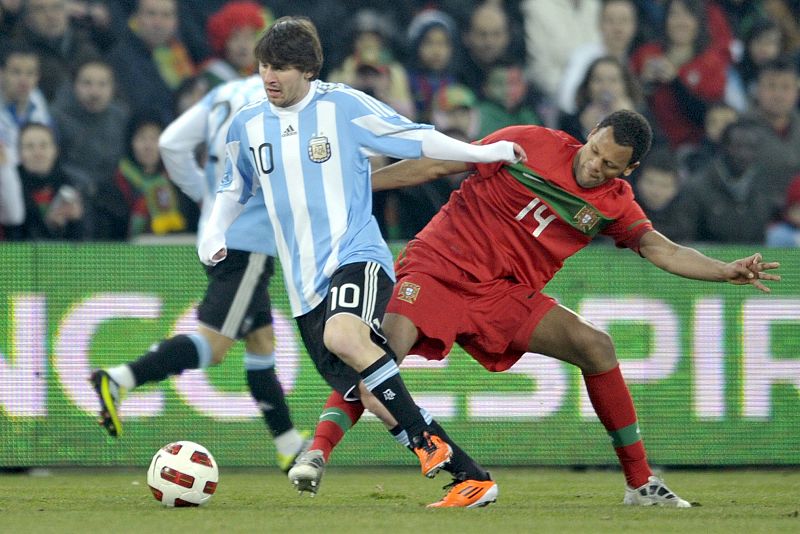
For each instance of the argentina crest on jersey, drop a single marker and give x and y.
(319, 149)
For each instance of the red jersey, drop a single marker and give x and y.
(522, 221)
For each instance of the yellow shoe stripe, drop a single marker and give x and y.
(108, 400)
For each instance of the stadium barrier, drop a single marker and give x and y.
(713, 368)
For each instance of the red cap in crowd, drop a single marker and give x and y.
(234, 16)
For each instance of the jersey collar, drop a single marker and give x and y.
(300, 106)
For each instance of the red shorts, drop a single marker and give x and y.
(493, 321)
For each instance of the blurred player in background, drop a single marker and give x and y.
(307, 148)
(236, 304)
(475, 274)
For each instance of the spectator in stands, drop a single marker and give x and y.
(508, 99)
(141, 199)
(608, 86)
(149, 60)
(786, 231)
(658, 185)
(553, 30)
(232, 33)
(373, 79)
(787, 14)
(695, 159)
(190, 91)
(431, 38)
(455, 109)
(53, 207)
(727, 201)
(653, 15)
(776, 107)
(683, 74)
(21, 102)
(95, 18)
(618, 28)
(91, 129)
(486, 45)
(57, 40)
(191, 23)
(371, 46)
(763, 43)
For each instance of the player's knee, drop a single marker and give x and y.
(262, 341)
(343, 338)
(339, 342)
(218, 343)
(596, 350)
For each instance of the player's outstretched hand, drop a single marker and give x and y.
(519, 152)
(752, 270)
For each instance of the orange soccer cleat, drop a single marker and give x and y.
(468, 494)
(433, 453)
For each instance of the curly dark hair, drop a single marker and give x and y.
(630, 129)
(291, 42)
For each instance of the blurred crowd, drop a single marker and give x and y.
(87, 86)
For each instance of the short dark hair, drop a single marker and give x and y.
(291, 42)
(630, 129)
(92, 59)
(34, 126)
(15, 48)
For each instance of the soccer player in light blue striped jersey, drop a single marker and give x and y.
(236, 304)
(305, 149)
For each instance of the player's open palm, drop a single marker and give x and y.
(752, 270)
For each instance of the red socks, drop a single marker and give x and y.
(337, 417)
(614, 406)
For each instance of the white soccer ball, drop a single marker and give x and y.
(183, 474)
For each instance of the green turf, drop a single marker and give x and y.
(393, 500)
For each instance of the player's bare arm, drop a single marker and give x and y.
(691, 263)
(415, 171)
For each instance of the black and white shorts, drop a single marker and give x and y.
(361, 289)
(237, 298)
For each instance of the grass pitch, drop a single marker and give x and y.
(393, 500)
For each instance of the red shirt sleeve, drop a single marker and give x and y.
(630, 226)
(516, 134)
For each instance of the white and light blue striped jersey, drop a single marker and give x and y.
(251, 231)
(207, 122)
(311, 162)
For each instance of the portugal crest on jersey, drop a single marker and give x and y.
(319, 149)
(408, 292)
(586, 218)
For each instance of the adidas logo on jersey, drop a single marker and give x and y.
(289, 131)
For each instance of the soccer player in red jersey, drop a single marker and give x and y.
(475, 274)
